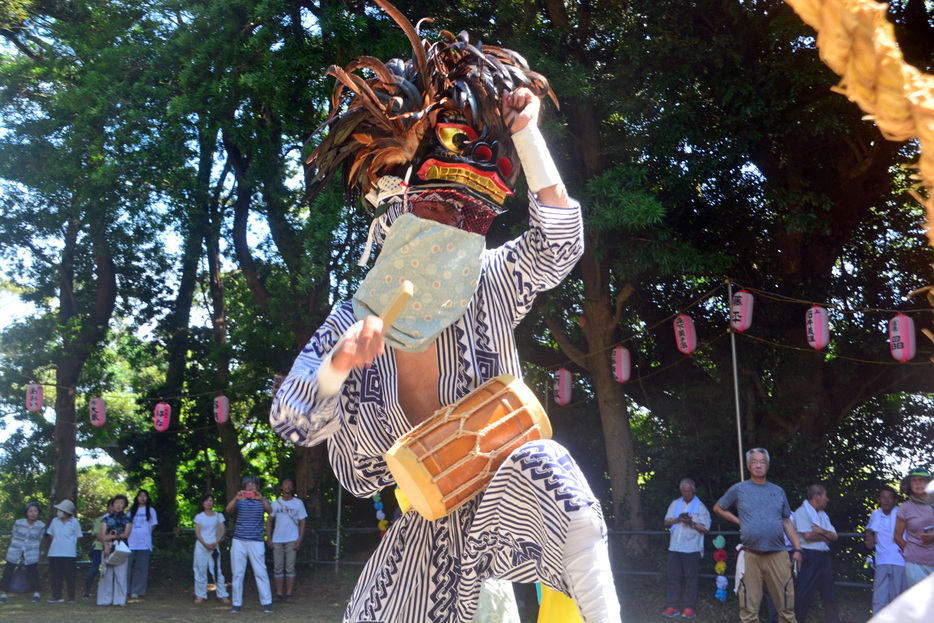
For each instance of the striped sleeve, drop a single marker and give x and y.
(298, 414)
(539, 259)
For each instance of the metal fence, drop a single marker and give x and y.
(320, 548)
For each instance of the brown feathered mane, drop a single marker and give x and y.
(378, 124)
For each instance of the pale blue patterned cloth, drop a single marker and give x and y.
(442, 262)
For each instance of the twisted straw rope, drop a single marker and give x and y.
(857, 42)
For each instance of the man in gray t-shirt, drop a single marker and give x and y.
(763, 520)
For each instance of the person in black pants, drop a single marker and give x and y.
(63, 552)
(24, 549)
(816, 574)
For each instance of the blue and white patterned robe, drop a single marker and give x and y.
(432, 571)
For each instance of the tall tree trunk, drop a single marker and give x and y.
(77, 347)
(599, 326)
(601, 309)
(230, 443)
(212, 209)
(177, 327)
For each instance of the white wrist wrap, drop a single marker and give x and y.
(540, 169)
(329, 379)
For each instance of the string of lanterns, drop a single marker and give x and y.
(901, 335)
(161, 416)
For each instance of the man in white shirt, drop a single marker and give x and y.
(889, 581)
(816, 574)
(688, 519)
(285, 530)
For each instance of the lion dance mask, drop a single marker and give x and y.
(430, 128)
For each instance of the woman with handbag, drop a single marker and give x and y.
(63, 552)
(22, 557)
(209, 532)
(115, 530)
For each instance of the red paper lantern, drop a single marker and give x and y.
(277, 383)
(741, 312)
(98, 409)
(622, 364)
(685, 335)
(902, 338)
(162, 416)
(221, 409)
(719, 555)
(34, 397)
(818, 331)
(562, 386)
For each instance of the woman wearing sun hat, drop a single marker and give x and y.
(914, 527)
(63, 552)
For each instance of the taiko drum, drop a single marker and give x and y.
(451, 457)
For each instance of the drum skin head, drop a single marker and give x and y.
(447, 460)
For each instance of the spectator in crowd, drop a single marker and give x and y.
(115, 527)
(763, 517)
(916, 604)
(97, 549)
(24, 550)
(143, 517)
(889, 581)
(914, 527)
(63, 551)
(247, 544)
(285, 530)
(815, 532)
(688, 519)
(209, 533)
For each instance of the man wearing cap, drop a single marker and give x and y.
(688, 519)
(815, 533)
(247, 543)
(63, 552)
(914, 527)
(764, 515)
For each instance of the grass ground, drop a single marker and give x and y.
(321, 596)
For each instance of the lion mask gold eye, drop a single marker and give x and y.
(455, 136)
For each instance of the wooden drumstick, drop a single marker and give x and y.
(406, 291)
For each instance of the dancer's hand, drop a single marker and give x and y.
(520, 108)
(360, 345)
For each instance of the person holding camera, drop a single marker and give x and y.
(914, 527)
(688, 519)
(247, 543)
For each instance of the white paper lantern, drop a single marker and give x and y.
(685, 335)
(221, 409)
(162, 416)
(562, 386)
(741, 311)
(818, 329)
(98, 411)
(34, 397)
(902, 337)
(622, 364)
